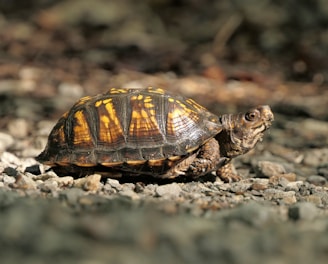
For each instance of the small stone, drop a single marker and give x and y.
(267, 169)
(34, 169)
(48, 186)
(240, 187)
(289, 199)
(70, 90)
(303, 211)
(274, 194)
(10, 171)
(6, 141)
(114, 184)
(278, 180)
(316, 157)
(253, 214)
(8, 179)
(293, 186)
(66, 181)
(259, 186)
(168, 190)
(314, 199)
(72, 195)
(9, 159)
(89, 183)
(24, 182)
(317, 180)
(19, 128)
(323, 170)
(130, 194)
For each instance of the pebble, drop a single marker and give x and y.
(316, 157)
(8, 179)
(88, 183)
(317, 180)
(114, 184)
(6, 141)
(279, 180)
(314, 199)
(267, 169)
(271, 194)
(168, 190)
(303, 211)
(72, 195)
(49, 186)
(323, 170)
(66, 181)
(19, 128)
(253, 214)
(130, 194)
(70, 90)
(25, 181)
(293, 186)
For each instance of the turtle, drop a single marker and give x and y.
(151, 132)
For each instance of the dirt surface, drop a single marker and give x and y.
(228, 56)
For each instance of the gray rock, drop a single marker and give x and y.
(274, 194)
(114, 184)
(316, 157)
(6, 140)
(323, 170)
(303, 211)
(19, 128)
(71, 196)
(49, 186)
(254, 214)
(267, 169)
(317, 180)
(168, 190)
(24, 181)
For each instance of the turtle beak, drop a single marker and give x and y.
(267, 115)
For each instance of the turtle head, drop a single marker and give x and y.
(242, 131)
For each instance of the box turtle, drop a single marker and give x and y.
(150, 132)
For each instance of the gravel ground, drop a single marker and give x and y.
(229, 57)
(277, 214)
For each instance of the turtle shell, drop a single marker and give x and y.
(126, 128)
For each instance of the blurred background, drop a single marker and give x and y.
(227, 55)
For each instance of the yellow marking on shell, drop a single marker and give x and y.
(109, 126)
(108, 100)
(61, 163)
(61, 134)
(143, 123)
(84, 164)
(98, 103)
(65, 115)
(156, 90)
(189, 150)
(158, 162)
(83, 100)
(136, 162)
(140, 96)
(174, 158)
(81, 130)
(117, 90)
(105, 120)
(180, 118)
(111, 164)
(196, 105)
(147, 99)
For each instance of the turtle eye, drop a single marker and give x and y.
(251, 116)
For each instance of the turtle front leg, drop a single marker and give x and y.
(207, 159)
(228, 173)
